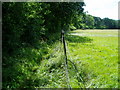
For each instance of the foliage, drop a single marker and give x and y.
(99, 23)
(33, 54)
(28, 31)
(33, 21)
(86, 21)
(89, 21)
(110, 24)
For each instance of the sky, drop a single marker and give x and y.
(102, 8)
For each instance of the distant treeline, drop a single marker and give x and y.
(86, 21)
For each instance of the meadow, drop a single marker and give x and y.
(92, 63)
(92, 60)
(98, 54)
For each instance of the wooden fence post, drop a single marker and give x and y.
(64, 46)
(66, 61)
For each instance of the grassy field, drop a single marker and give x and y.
(93, 56)
(95, 52)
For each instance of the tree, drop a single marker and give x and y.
(89, 21)
(98, 24)
(110, 23)
(28, 25)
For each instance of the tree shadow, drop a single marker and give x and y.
(77, 39)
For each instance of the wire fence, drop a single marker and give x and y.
(67, 52)
(61, 49)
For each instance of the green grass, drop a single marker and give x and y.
(99, 56)
(95, 58)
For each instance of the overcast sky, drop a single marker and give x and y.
(102, 8)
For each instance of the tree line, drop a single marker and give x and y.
(27, 30)
(27, 23)
(87, 21)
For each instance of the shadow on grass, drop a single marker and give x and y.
(77, 39)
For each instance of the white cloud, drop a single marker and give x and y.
(102, 8)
